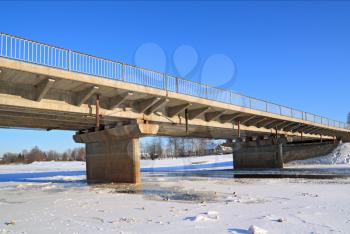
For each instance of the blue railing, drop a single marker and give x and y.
(39, 53)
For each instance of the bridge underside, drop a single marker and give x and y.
(34, 96)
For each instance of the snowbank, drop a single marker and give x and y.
(341, 155)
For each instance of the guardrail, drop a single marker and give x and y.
(39, 53)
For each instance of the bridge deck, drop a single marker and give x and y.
(61, 94)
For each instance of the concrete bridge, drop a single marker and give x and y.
(111, 105)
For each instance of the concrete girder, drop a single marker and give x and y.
(292, 127)
(282, 125)
(312, 130)
(175, 110)
(116, 101)
(119, 133)
(42, 88)
(298, 128)
(256, 120)
(264, 123)
(213, 115)
(274, 124)
(279, 126)
(82, 96)
(158, 105)
(195, 131)
(49, 115)
(42, 116)
(290, 124)
(267, 123)
(243, 120)
(143, 105)
(25, 122)
(229, 117)
(49, 125)
(309, 128)
(324, 132)
(327, 132)
(319, 131)
(192, 114)
(301, 128)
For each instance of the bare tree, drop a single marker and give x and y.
(35, 154)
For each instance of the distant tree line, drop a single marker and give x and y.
(152, 148)
(165, 147)
(36, 154)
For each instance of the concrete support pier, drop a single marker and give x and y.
(259, 153)
(113, 155)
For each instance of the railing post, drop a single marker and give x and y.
(177, 84)
(69, 60)
(165, 82)
(250, 103)
(1, 39)
(266, 107)
(206, 91)
(123, 72)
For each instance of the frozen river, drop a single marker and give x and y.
(202, 197)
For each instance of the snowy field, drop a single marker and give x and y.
(192, 195)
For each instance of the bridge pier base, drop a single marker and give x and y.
(113, 155)
(259, 153)
(113, 161)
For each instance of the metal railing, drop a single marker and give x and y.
(39, 53)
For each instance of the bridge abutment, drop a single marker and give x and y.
(113, 155)
(273, 152)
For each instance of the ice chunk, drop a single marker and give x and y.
(208, 216)
(256, 230)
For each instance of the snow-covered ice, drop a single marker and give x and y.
(176, 196)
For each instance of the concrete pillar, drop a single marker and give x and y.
(246, 155)
(113, 155)
(113, 161)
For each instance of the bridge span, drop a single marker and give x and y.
(111, 104)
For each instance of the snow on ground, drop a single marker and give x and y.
(176, 196)
(341, 155)
(43, 166)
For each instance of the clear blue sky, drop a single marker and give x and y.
(292, 53)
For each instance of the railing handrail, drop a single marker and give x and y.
(29, 40)
(103, 70)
